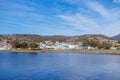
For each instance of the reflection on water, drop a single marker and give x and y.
(59, 66)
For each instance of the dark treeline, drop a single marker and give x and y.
(23, 45)
(95, 42)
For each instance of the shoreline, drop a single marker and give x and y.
(104, 51)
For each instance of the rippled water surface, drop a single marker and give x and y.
(59, 66)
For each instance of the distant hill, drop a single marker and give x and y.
(93, 35)
(31, 37)
(116, 37)
(39, 38)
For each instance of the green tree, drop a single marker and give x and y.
(93, 43)
(106, 45)
(33, 45)
(100, 45)
(24, 45)
(86, 41)
(95, 38)
(15, 44)
(90, 42)
(118, 42)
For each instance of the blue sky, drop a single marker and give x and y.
(60, 17)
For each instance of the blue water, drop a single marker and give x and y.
(59, 66)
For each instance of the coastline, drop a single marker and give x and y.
(102, 51)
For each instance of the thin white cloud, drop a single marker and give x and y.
(116, 1)
(99, 9)
(26, 16)
(80, 22)
(107, 22)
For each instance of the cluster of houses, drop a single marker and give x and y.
(48, 45)
(66, 46)
(72, 45)
(59, 46)
(55, 46)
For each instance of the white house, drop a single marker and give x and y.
(73, 46)
(42, 46)
(61, 46)
(3, 47)
(66, 46)
(113, 48)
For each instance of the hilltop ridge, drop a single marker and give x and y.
(39, 38)
(116, 37)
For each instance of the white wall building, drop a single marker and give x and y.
(66, 46)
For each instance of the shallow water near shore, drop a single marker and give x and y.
(59, 66)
